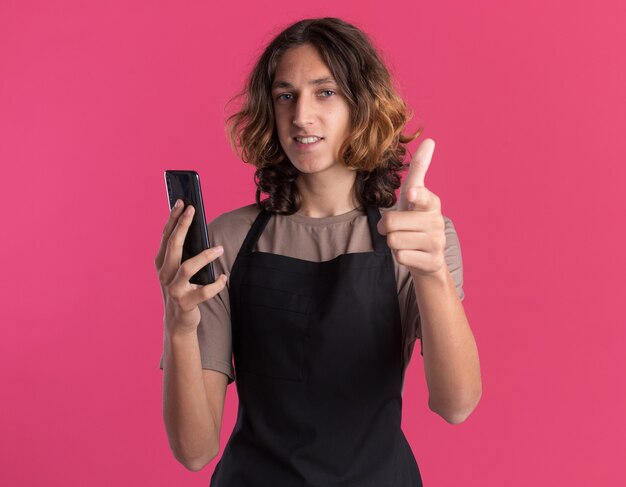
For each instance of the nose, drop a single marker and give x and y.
(303, 112)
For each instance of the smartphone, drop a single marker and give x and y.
(185, 185)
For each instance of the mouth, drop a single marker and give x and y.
(309, 139)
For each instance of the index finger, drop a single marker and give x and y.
(420, 164)
(417, 172)
(174, 246)
(167, 231)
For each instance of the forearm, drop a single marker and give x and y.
(451, 361)
(191, 429)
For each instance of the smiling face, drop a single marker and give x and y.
(312, 116)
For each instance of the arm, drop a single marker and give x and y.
(193, 402)
(193, 399)
(450, 354)
(416, 233)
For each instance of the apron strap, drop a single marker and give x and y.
(379, 241)
(255, 231)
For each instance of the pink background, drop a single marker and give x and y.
(526, 103)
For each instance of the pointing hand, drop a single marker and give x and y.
(416, 230)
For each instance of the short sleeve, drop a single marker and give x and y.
(214, 336)
(454, 259)
(454, 262)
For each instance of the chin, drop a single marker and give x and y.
(311, 167)
(313, 170)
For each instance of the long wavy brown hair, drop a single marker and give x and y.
(375, 147)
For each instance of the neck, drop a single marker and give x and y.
(326, 195)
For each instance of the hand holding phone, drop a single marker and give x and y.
(185, 185)
(180, 297)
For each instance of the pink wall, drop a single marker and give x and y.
(526, 103)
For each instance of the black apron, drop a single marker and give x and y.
(317, 349)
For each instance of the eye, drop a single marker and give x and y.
(328, 91)
(283, 97)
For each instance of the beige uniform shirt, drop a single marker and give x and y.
(313, 239)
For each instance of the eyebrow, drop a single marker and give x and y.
(319, 81)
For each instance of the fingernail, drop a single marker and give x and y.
(189, 210)
(219, 249)
(177, 204)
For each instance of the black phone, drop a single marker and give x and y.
(185, 185)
